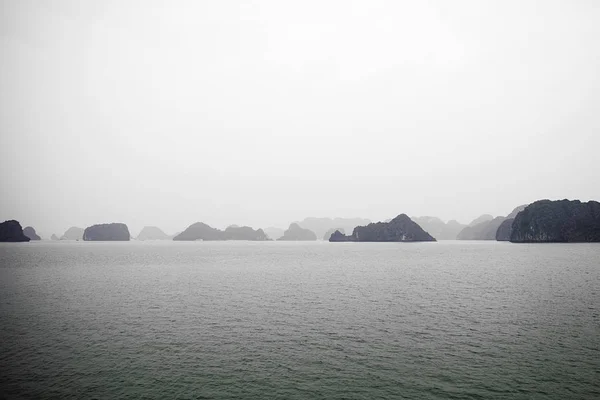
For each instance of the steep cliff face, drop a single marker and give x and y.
(295, 232)
(31, 233)
(399, 229)
(73, 233)
(557, 221)
(107, 232)
(11, 231)
(152, 233)
(504, 230)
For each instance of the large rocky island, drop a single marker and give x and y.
(399, 229)
(202, 231)
(107, 232)
(557, 221)
(11, 231)
(295, 232)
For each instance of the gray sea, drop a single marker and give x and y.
(275, 320)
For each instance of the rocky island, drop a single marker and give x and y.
(107, 232)
(399, 229)
(73, 233)
(557, 221)
(330, 232)
(11, 231)
(295, 232)
(504, 230)
(152, 233)
(235, 232)
(202, 231)
(30, 233)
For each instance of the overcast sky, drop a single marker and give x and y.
(264, 112)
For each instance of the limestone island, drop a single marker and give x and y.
(296, 233)
(31, 234)
(399, 229)
(152, 233)
(557, 221)
(115, 232)
(73, 233)
(11, 231)
(202, 231)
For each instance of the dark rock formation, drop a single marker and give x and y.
(482, 231)
(322, 225)
(11, 231)
(152, 233)
(73, 233)
(557, 221)
(481, 218)
(295, 232)
(330, 232)
(54, 237)
(399, 229)
(504, 230)
(244, 233)
(200, 231)
(107, 232)
(438, 229)
(274, 233)
(30, 233)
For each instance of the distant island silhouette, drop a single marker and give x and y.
(399, 229)
(107, 232)
(202, 231)
(296, 233)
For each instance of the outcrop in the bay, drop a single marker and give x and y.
(202, 231)
(504, 230)
(330, 232)
(234, 232)
(320, 226)
(117, 232)
(399, 229)
(557, 221)
(30, 232)
(54, 237)
(438, 228)
(152, 233)
(11, 231)
(73, 233)
(296, 232)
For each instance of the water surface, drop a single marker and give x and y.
(224, 320)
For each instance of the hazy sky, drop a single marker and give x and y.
(263, 112)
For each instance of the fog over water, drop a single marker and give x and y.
(166, 113)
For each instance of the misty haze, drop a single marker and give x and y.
(299, 200)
